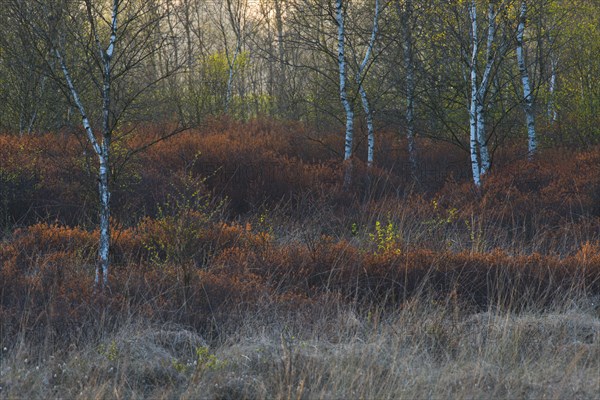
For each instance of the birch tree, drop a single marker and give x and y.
(551, 109)
(527, 93)
(340, 14)
(406, 16)
(232, 18)
(101, 147)
(281, 73)
(360, 76)
(475, 166)
(480, 157)
(271, 46)
(100, 46)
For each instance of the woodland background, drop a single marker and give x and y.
(243, 263)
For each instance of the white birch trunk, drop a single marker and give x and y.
(104, 191)
(527, 94)
(101, 149)
(363, 92)
(482, 93)
(480, 156)
(473, 142)
(84, 119)
(552, 113)
(483, 151)
(104, 244)
(104, 159)
(370, 128)
(343, 81)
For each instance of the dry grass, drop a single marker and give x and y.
(423, 350)
(284, 286)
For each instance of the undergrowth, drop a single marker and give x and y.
(241, 268)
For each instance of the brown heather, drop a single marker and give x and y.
(242, 269)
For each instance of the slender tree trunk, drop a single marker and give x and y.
(480, 157)
(344, 92)
(475, 168)
(34, 114)
(527, 94)
(236, 15)
(172, 32)
(231, 75)
(173, 83)
(363, 93)
(188, 38)
(105, 155)
(482, 93)
(102, 149)
(273, 81)
(103, 189)
(552, 113)
(282, 94)
(370, 127)
(190, 58)
(343, 81)
(410, 85)
(484, 156)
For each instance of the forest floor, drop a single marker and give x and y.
(242, 268)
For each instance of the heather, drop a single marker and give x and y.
(242, 267)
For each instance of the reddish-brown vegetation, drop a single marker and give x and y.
(215, 225)
(238, 214)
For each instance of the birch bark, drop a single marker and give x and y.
(483, 90)
(527, 94)
(480, 157)
(339, 8)
(473, 142)
(102, 148)
(363, 93)
(552, 113)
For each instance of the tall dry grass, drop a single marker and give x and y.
(331, 351)
(242, 269)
